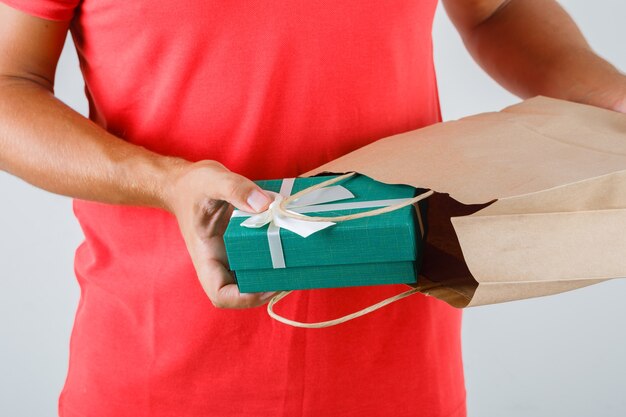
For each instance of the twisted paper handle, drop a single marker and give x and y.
(283, 210)
(348, 317)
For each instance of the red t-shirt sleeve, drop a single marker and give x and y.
(46, 9)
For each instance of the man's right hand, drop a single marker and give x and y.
(51, 146)
(201, 196)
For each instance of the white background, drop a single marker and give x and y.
(556, 356)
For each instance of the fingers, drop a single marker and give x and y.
(209, 180)
(220, 286)
(197, 196)
(241, 192)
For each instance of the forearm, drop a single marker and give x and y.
(533, 47)
(53, 147)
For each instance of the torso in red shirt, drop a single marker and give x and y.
(270, 89)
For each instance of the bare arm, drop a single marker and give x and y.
(533, 47)
(51, 146)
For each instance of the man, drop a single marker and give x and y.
(183, 95)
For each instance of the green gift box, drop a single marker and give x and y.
(381, 249)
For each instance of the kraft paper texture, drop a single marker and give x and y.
(530, 201)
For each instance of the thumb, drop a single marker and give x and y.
(242, 193)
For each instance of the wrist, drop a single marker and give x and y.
(145, 178)
(609, 94)
(601, 85)
(169, 171)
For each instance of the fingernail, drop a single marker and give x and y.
(257, 200)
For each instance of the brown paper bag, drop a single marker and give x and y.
(530, 201)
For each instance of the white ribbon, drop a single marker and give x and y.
(311, 202)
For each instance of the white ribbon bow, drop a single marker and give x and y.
(303, 228)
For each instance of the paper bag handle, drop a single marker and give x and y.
(329, 323)
(282, 206)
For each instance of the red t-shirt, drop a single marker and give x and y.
(270, 89)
